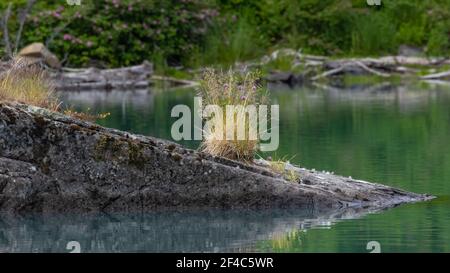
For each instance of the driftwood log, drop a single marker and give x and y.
(319, 67)
(434, 76)
(93, 78)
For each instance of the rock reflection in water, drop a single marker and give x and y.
(181, 231)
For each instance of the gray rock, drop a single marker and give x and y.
(279, 76)
(53, 163)
(409, 51)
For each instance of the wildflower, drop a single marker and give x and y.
(67, 37)
(56, 14)
(89, 43)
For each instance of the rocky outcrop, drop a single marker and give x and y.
(53, 163)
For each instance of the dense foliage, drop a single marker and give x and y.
(195, 32)
(118, 32)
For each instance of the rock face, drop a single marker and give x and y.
(53, 163)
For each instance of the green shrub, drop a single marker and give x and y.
(196, 32)
(229, 41)
(119, 32)
(373, 34)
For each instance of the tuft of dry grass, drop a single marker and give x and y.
(280, 166)
(229, 88)
(29, 85)
(87, 116)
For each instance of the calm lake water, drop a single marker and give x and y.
(396, 135)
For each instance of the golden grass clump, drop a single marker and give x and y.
(29, 85)
(229, 88)
(32, 85)
(280, 166)
(87, 116)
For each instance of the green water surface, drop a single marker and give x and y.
(395, 135)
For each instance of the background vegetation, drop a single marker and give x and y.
(193, 33)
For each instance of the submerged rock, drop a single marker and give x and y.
(53, 163)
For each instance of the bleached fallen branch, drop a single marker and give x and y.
(341, 68)
(186, 83)
(439, 75)
(329, 73)
(94, 78)
(370, 70)
(99, 85)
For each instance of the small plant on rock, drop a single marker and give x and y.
(27, 84)
(231, 89)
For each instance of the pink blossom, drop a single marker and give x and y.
(89, 43)
(67, 37)
(56, 14)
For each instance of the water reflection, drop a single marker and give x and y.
(173, 231)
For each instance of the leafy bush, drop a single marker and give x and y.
(195, 32)
(229, 41)
(119, 32)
